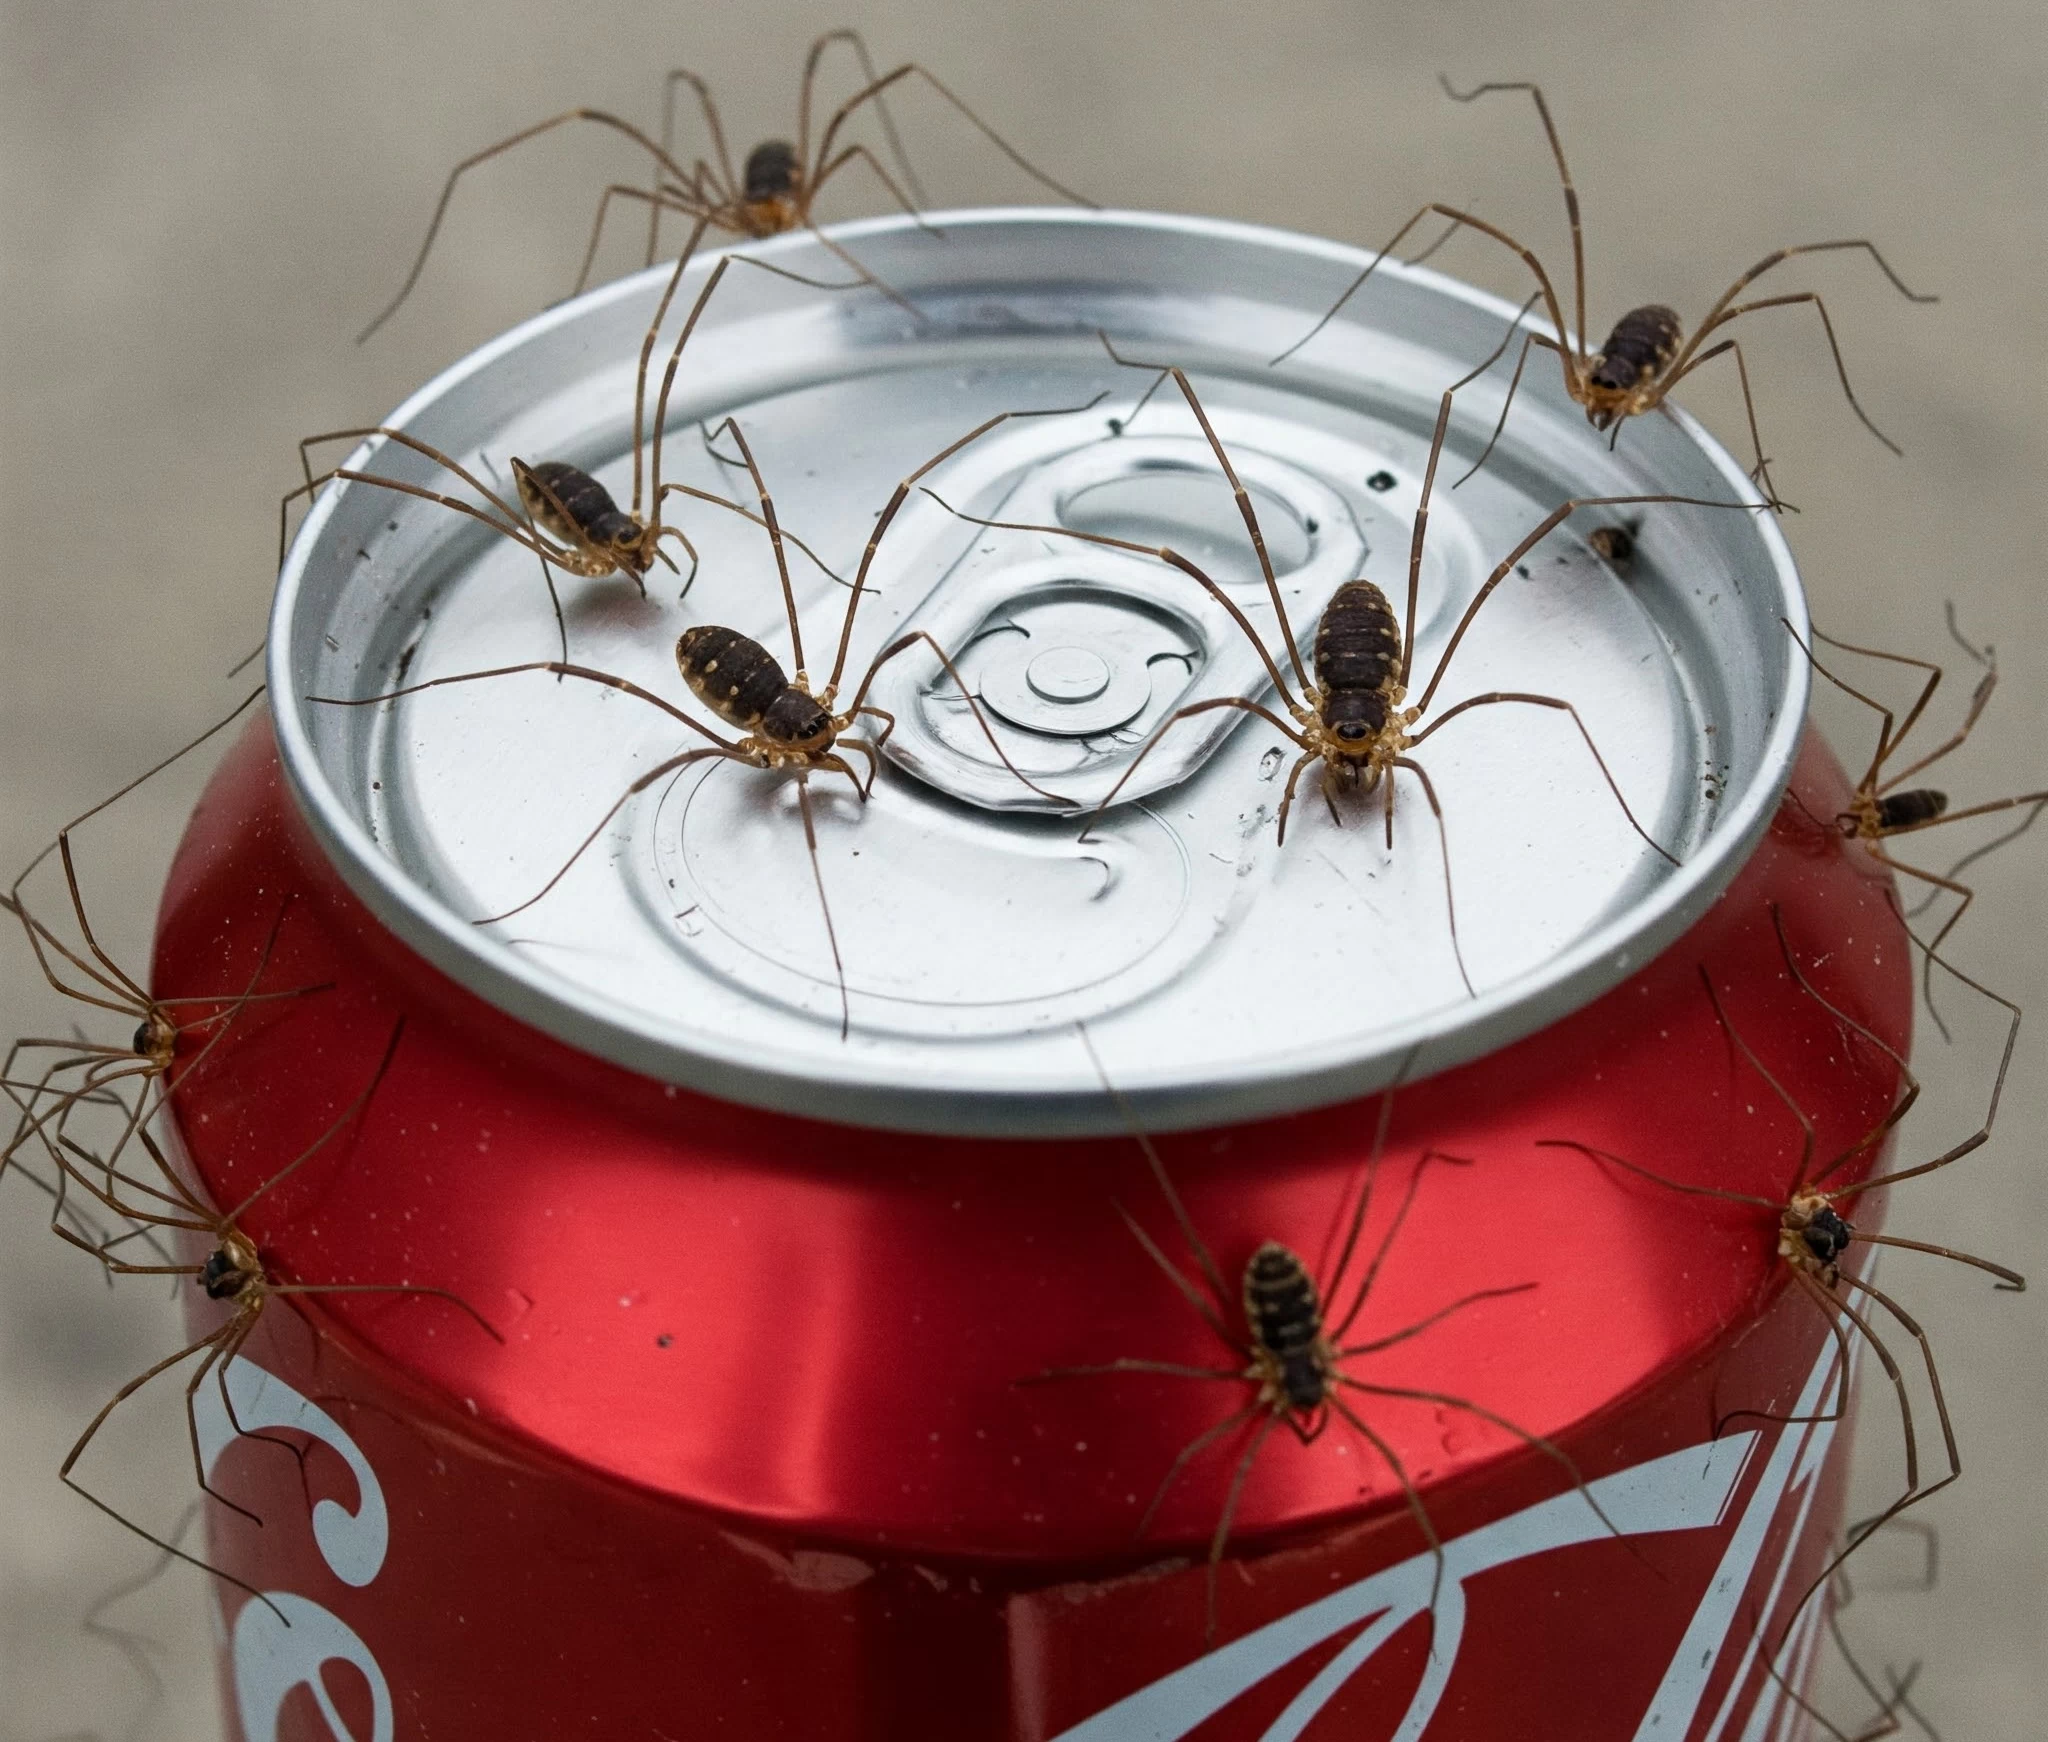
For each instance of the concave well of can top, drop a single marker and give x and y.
(1222, 975)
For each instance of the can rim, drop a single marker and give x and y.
(850, 1093)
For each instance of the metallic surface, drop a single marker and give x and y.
(736, 1333)
(689, 943)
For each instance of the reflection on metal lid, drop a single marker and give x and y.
(1222, 975)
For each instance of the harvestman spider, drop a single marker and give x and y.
(1289, 1348)
(1350, 717)
(235, 1272)
(776, 190)
(787, 724)
(1877, 811)
(92, 977)
(1647, 354)
(1813, 1235)
(566, 517)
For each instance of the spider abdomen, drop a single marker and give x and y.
(1643, 341)
(1901, 810)
(771, 170)
(744, 684)
(572, 505)
(1285, 1317)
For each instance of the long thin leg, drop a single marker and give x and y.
(689, 327)
(1564, 176)
(226, 720)
(1592, 1152)
(1550, 522)
(709, 110)
(895, 503)
(1459, 220)
(78, 1450)
(1555, 702)
(1188, 1231)
(854, 40)
(639, 786)
(803, 799)
(1982, 1135)
(2010, 1281)
(1443, 838)
(348, 1113)
(746, 513)
(1416, 1509)
(904, 642)
(1203, 707)
(561, 669)
(1306, 761)
(1188, 1453)
(661, 158)
(861, 154)
(1536, 1442)
(1761, 471)
(1909, 1093)
(1165, 553)
(1500, 423)
(1379, 1257)
(1244, 502)
(1889, 735)
(661, 307)
(1834, 346)
(1718, 314)
(1229, 1514)
(910, 69)
(421, 1288)
(768, 520)
(1436, 1318)
(657, 200)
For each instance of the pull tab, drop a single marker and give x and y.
(1077, 653)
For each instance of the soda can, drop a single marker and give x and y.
(784, 1437)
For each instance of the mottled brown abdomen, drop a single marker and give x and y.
(1901, 810)
(741, 682)
(1286, 1320)
(1643, 341)
(1358, 640)
(586, 507)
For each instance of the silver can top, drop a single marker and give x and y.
(1222, 975)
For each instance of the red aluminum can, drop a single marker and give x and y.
(770, 1446)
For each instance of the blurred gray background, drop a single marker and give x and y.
(203, 202)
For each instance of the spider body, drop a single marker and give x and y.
(1648, 353)
(1623, 379)
(772, 197)
(1871, 817)
(598, 536)
(741, 682)
(1354, 723)
(1813, 1235)
(1294, 1363)
(234, 1272)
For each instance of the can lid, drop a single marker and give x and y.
(1222, 975)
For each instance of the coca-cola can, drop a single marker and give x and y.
(791, 1419)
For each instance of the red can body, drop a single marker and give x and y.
(769, 1449)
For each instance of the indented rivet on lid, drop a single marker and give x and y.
(1068, 674)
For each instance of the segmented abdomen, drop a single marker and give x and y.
(1903, 809)
(732, 674)
(1286, 1320)
(1643, 341)
(1358, 640)
(588, 505)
